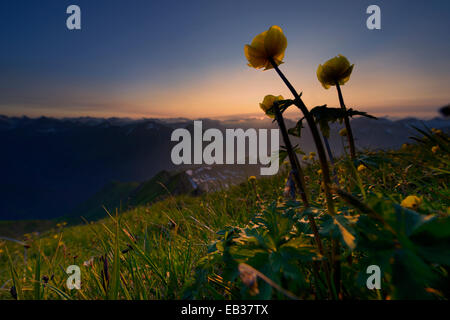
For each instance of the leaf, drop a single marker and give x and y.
(324, 115)
(37, 277)
(114, 293)
(340, 226)
(407, 220)
(346, 234)
(435, 253)
(59, 292)
(438, 227)
(15, 277)
(410, 275)
(351, 112)
(297, 130)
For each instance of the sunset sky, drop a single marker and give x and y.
(144, 58)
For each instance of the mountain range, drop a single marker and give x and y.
(66, 167)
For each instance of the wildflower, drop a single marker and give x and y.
(343, 132)
(305, 158)
(404, 146)
(267, 104)
(319, 172)
(55, 236)
(268, 45)
(252, 179)
(361, 168)
(435, 149)
(436, 131)
(89, 263)
(411, 202)
(335, 70)
(312, 154)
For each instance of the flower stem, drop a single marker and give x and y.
(297, 170)
(324, 166)
(351, 141)
(316, 136)
(330, 156)
(300, 182)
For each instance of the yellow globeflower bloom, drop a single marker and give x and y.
(251, 179)
(312, 154)
(319, 172)
(436, 131)
(411, 202)
(343, 132)
(267, 104)
(270, 44)
(361, 167)
(337, 69)
(435, 149)
(305, 158)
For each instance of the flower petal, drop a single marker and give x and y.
(275, 42)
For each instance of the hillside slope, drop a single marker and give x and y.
(191, 247)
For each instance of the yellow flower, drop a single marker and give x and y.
(435, 149)
(404, 146)
(319, 172)
(251, 179)
(305, 158)
(312, 154)
(361, 167)
(436, 131)
(267, 104)
(337, 69)
(411, 202)
(343, 132)
(270, 44)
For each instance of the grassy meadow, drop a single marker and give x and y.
(252, 240)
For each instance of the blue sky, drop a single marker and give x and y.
(142, 58)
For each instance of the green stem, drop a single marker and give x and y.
(316, 136)
(330, 156)
(323, 164)
(300, 182)
(351, 141)
(297, 170)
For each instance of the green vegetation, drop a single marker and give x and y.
(250, 241)
(126, 195)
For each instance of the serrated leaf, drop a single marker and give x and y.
(296, 131)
